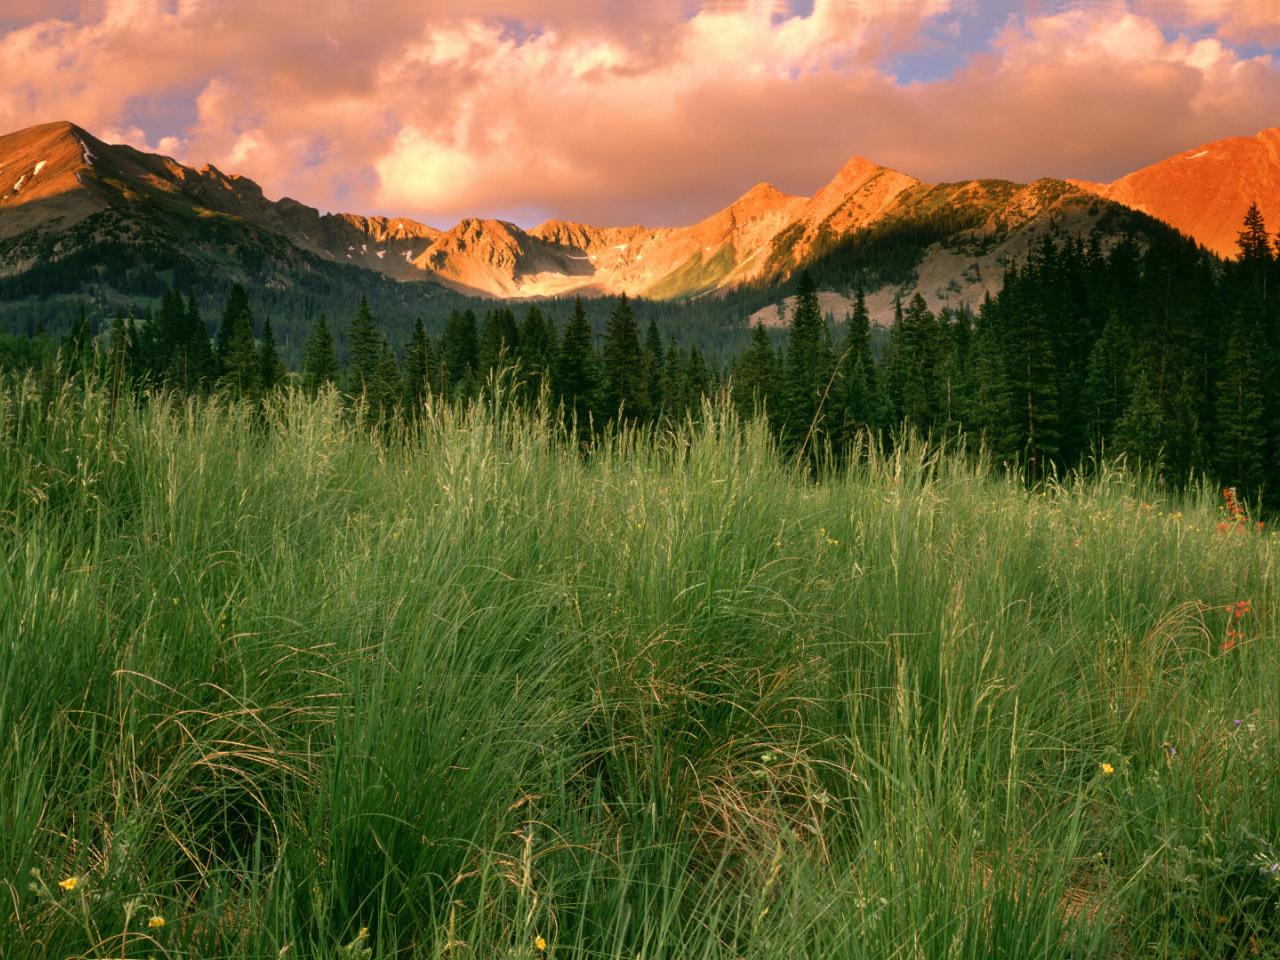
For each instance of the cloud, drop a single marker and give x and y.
(614, 112)
(1245, 21)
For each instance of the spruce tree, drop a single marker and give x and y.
(1106, 387)
(1253, 240)
(1241, 415)
(238, 358)
(697, 382)
(419, 361)
(365, 348)
(320, 363)
(575, 380)
(859, 403)
(237, 307)
(193, 361)
(755, 377)
(654, 361)
(498, 342)
(458, 355)
(808, 373)
(272, 372)
(1141, 432)
(536, 350)
(77, 345)
(624, 370)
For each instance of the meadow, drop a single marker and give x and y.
(275, 685)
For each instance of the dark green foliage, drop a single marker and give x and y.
(271, 367)
(499, 341)
(320, 364)
(1242, 452)
(576, 379)
(808, 371)
(239, 365)
(372, 374)
(755, 375)
(459, 352)
(625, 367)
(697, 382)
(536, 351)
(859, 401)
(419, 362)
(653, 360)
(674, 366)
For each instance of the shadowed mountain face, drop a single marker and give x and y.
(62, 192)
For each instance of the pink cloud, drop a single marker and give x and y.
(580, 110)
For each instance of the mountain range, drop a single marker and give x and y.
(75, 211)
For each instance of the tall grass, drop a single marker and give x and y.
(302, 690)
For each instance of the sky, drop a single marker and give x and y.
(654, 111)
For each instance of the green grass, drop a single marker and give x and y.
(278, 682)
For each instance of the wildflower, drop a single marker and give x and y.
(1107, 769)
(1240, 608)
(70, 883)
(1229, 643)
(364, 932)
(156, 922)
(540, 944)
(175, 601)
(1236, 723)
(767, 757)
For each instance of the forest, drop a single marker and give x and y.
(1155, 351)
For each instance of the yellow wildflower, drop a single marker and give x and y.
(155, 922)
(69, 884)
(1108, 769)
(175, 601)
(364, 932)
(540, 944)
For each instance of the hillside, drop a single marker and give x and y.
(81, 217)
(1205, 191)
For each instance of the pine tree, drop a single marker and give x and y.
(458, 355)
(624, 370)
(499, 341)
(576, 377)
(674, 405)
(236, 309)
(1141, 432)
(193, 362)
(755, 376)
(388, 386)
(365, 347)
(77, 345)
(272, 372)
(1241, 415)
(654, 361)
(1253, 240)
(419, 361)
(808, 372)
(320, 363)
(858, 401)
(697, 382)
(1106, 387)
(536, 350)
(238, 353)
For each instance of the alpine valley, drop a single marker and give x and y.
(80, 218)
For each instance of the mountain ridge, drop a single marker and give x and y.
(56, 177)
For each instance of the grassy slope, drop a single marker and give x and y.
(674, 702)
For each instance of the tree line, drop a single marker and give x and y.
(1158, 351)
